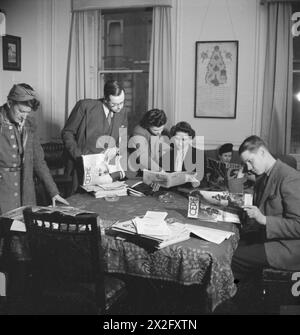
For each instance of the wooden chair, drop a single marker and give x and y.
(67, 265)
(281, 291)
(277, 284)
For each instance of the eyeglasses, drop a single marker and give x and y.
(112, 105)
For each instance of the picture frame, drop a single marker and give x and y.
(216, 76)
(11, 47)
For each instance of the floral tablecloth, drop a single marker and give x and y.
(194, 261)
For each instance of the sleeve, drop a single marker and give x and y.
(286, 226)
(41, 168)
(71, 128)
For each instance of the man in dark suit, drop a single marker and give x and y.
(276, 211)
(91, 124)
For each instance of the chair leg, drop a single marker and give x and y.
(3, 284)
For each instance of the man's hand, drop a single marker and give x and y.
(57, 197)
(254, 213)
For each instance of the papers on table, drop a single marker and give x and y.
(210, 234)
(118, 188)
(163, 234)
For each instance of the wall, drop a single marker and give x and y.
(209, 20)
(43, 26)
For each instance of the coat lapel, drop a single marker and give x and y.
(269, 185)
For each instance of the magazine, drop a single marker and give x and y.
(97, 168)
(198, 209)
(168, 179)
(225, 198)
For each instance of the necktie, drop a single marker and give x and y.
(259, 189)
(109, 118)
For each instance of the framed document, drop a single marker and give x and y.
(216, 79)
(11, 53)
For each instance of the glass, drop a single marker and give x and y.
(166, 198)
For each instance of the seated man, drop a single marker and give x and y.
(276, 212)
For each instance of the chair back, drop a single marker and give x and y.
(66, 251)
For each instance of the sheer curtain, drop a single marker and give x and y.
(83, 58)
(277, 93)
(161, 63)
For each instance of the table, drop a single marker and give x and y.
(186, 262)
(190, 262)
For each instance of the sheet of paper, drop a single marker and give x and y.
(210, 234)
(152, 227)
(18, 226)
(155, 215)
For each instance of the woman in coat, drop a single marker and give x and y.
(20, 152)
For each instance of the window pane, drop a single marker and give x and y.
(125, 49)
(295, 133)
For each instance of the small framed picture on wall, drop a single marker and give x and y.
(11, 46)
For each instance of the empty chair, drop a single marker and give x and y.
(67, 265)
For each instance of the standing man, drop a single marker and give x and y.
(90, 120)
(276, 211)
(20, 152)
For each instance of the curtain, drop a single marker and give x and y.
(161, 63)
(277, 91)
(83, 57)
(105, 4)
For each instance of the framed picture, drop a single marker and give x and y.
(11, 46)
(216, 79)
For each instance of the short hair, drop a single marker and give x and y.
(227, 147)
(251, 143)
(153, 118)
(23, 94)
(112, 87)
(183, 127)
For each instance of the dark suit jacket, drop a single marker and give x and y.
(86, 124)
(280, 202)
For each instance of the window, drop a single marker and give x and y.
(295, 131)
(126, 41)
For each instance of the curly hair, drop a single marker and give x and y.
(183, 127)
(153, 118)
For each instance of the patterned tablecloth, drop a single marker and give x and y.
(193, 261)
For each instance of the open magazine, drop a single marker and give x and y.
(98, 167)
(168, 179)
(218, 206)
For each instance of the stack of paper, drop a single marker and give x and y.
(118, 188)
(153, 230)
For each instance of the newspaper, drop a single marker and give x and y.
(225, 198)
(168, 179)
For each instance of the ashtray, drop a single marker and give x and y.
(112, 198)
(166, 198)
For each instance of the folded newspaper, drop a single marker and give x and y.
(168, 179)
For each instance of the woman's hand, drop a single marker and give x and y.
(57, 197)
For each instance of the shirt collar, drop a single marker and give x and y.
(270, 169)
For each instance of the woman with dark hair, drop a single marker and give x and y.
(149, 141)
(184, 156)
(20, 151)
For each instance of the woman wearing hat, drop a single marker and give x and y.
(20, 152)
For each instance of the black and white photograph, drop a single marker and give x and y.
(179, 119)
